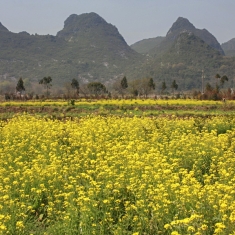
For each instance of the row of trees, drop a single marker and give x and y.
(140, 87)
(144, 87)
(95, 88)
(46, 82)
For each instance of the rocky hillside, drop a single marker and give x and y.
(183, 25)
(90, 49)
(229, 47)
(162, 44)
(87, 48)
(183, 54)
(145, 45)
(184, 60)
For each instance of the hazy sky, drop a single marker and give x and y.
(135, 19)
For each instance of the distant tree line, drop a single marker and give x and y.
(135, 88)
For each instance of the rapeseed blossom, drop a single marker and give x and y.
(117, 175)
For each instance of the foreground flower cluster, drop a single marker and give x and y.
(117, 175)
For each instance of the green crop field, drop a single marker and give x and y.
(131, 107)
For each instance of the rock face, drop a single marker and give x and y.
(181, 25)
(75, 24)
(88, 23)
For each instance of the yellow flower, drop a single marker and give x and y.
(191, 229)
(19, 224)
(175, 233)
(167, 226)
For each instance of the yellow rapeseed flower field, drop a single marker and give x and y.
(117, 175)
(116, 102)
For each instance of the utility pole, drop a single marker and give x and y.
(203, 77)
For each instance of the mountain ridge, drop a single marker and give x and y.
(179, 26)
(184, 62)
(87, 48)
(90, 49)
(183, 25)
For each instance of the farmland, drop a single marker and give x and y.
(130, 107)
(117, 167)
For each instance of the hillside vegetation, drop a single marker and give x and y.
(185, 60)
(183, 54)
(146, 45)
(91, 50)
(87, 48)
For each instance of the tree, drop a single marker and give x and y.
(120, 86)
(223, 79)
(133, 87)
(174, 86)
(75, 85)
(124, 83)
(46, 82)
(151, 84)
(163, 87)
(20, 86)
(145, 85)
(96, 88)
